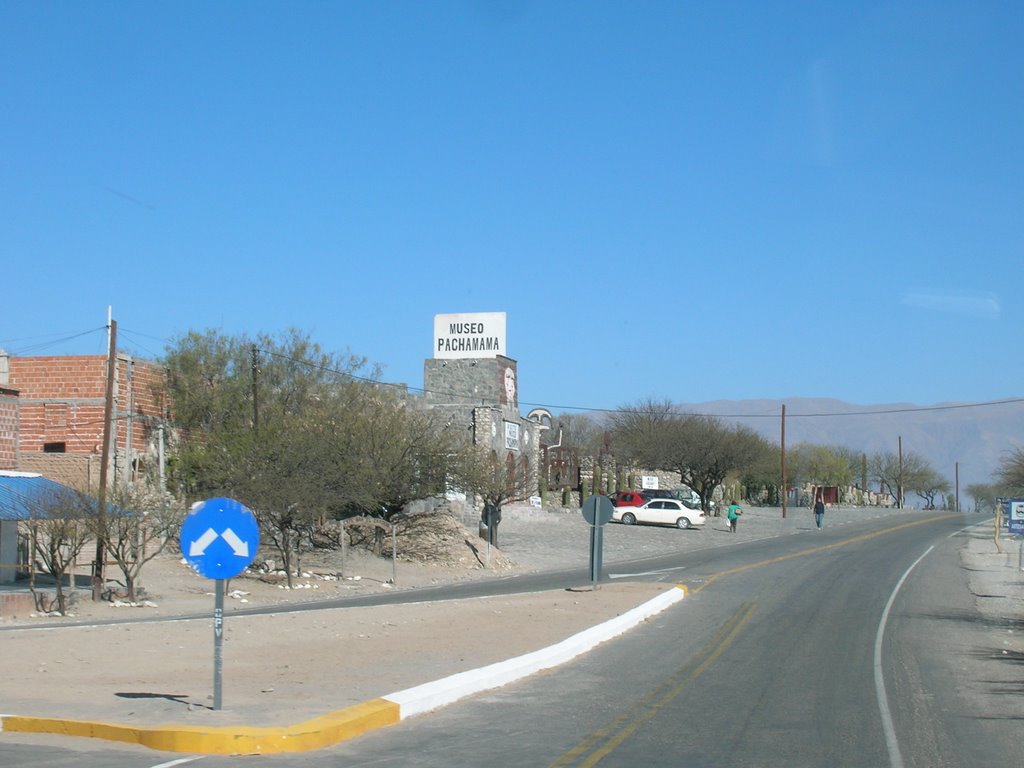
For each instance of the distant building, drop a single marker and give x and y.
(52, 410)
(472, 380)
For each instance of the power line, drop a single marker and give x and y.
(773, 414)
(41, 345)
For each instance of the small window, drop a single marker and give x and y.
(54, 448)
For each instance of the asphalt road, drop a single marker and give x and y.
(835, 648)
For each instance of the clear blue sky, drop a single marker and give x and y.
(683, 201)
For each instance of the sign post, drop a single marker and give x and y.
(219, 539)
(597, 511)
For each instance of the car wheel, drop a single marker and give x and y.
(682, 522)
(628, 518)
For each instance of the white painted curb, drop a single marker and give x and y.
(440, 693)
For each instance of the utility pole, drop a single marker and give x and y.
(899, 480)
(785, 487)
(101, 512)
(956, 474)
(255, 389)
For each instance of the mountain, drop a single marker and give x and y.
(974, 436)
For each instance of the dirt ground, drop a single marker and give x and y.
(286, 667)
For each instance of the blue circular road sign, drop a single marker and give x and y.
(219, 538)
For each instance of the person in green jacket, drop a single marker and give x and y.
(735, 510)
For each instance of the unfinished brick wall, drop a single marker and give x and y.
(8, 428)
(62, 401)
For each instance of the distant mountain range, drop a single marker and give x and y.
(976, 437)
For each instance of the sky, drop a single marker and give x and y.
(671, 201)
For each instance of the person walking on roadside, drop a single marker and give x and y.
(735, 510)
(819, 512)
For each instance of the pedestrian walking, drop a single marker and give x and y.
(735, 510)
(819, 512)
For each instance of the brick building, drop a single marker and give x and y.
(52, 410)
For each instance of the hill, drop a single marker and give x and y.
(946, 434)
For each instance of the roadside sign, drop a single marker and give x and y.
(219, 538)
(1015, 522)
(597, 510)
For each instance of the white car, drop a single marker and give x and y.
(661, 512)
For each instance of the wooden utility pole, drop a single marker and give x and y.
(956, 475)
(899, 480)
(101, 512)
(785, 488)
(255, 389)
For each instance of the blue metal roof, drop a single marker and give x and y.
(24, 495)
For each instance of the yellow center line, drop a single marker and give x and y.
(612, 735)
(815, 550)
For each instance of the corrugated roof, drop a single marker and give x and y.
(24, 495)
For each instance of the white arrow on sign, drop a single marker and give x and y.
(198, 547)
(239, 547)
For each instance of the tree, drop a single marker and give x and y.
(984, 496)
(581, 432)
(58, 531)
(297, 436)
(886, 470)
(702, 449)
(821, 465)
(763, 477)
(253, 416)
(928, 484)
(496, 481)
(138, 525)
(1010, 474)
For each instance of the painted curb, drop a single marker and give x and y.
(353, 721)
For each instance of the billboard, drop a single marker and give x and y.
(469, 335)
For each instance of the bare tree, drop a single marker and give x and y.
(886, 470)
(984, 496)
(497, 481)
(137, 527)
(1010, 474)
(702, 449)
(928, 484)
(58, 531)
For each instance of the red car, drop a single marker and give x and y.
(628, 499)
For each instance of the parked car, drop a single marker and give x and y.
(657, 493)
(628, 499)
(689, 498)
(660, 512)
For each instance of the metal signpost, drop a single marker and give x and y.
(219, 539)
(597, 511)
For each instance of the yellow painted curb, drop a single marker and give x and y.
(224, 740)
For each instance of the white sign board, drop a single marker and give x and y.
(511, 436)
(649, 482)
(469, 335)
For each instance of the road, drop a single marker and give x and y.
(846, 647)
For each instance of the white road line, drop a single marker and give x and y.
(180, 761)
(891, 743)
(645, 573)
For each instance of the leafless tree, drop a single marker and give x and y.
(58, 531)
(138, 525)
(1010, 474)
